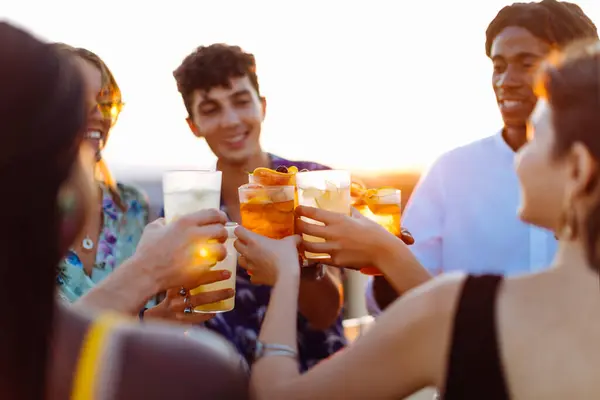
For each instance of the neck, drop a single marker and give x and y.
(571, 255)
(236, 175)
(515, 137)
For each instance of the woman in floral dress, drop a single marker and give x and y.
(111, 234)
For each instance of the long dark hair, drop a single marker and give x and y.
(42, 115)
(570, 81)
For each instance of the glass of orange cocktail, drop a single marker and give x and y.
(268, 210)
(381, 205)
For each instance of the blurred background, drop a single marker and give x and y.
(380, 87)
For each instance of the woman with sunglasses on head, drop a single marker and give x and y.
(113, 231)
(49, 350)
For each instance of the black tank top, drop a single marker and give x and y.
(474, 367)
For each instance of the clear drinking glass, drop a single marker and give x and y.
(268, 210)
(229, 264)
(186, 192)
(328, 190)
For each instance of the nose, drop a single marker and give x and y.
(230, 117)
(511, 78)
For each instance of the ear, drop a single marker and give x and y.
(263, 104)
(582, 172)
(193, 127)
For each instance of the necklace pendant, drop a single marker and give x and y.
(87, 243)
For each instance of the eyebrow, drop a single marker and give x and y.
(521, 55)
(207, 99)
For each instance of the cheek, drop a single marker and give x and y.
(540, 188)
(251, 115)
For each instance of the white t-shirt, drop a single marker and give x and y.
(463, 216)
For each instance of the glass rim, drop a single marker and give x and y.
(202, 171)
(230, 227)
(268, 188)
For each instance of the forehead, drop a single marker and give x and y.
(238, 85)
(515, 41)
(91, 75)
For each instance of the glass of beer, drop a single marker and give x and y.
(328, 190)
(229, 264)
(267, 210)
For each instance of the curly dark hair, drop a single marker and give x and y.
(555, 22)
(212, 66)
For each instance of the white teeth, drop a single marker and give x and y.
(94, 135)
(512, 103)
(236, 139)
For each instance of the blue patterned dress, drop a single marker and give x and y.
(118, 239)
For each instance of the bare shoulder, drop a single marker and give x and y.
(160, 362)
(425, 318)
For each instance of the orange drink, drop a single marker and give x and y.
(268, 210)
(382, 206)
(282, 176)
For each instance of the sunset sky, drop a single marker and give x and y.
(352, 84)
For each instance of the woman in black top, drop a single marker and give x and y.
(529, 337)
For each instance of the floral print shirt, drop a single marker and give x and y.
(118, 239)
(241, 326)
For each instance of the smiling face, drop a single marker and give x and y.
(516, 55)
(97, 125)
(229, 119)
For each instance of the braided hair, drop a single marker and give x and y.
(555, 22)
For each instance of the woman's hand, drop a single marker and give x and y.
(267, 260)
(182, 251)
(178, 304)
(351, 241)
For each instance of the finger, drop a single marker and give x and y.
(407, 237)
(319, 247)
(241, 247)
(215, 232)
(209, 253)
(312, 229)
(200, 299)
(324, 216)
(245, 235)
(193, 319)
(212, 277)
(204, 217)
(242, 262)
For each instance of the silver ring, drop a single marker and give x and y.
(188, 310)
(182, 292)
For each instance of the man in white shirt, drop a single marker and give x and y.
(463, 212)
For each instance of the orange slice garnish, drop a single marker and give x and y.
(283, 176)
